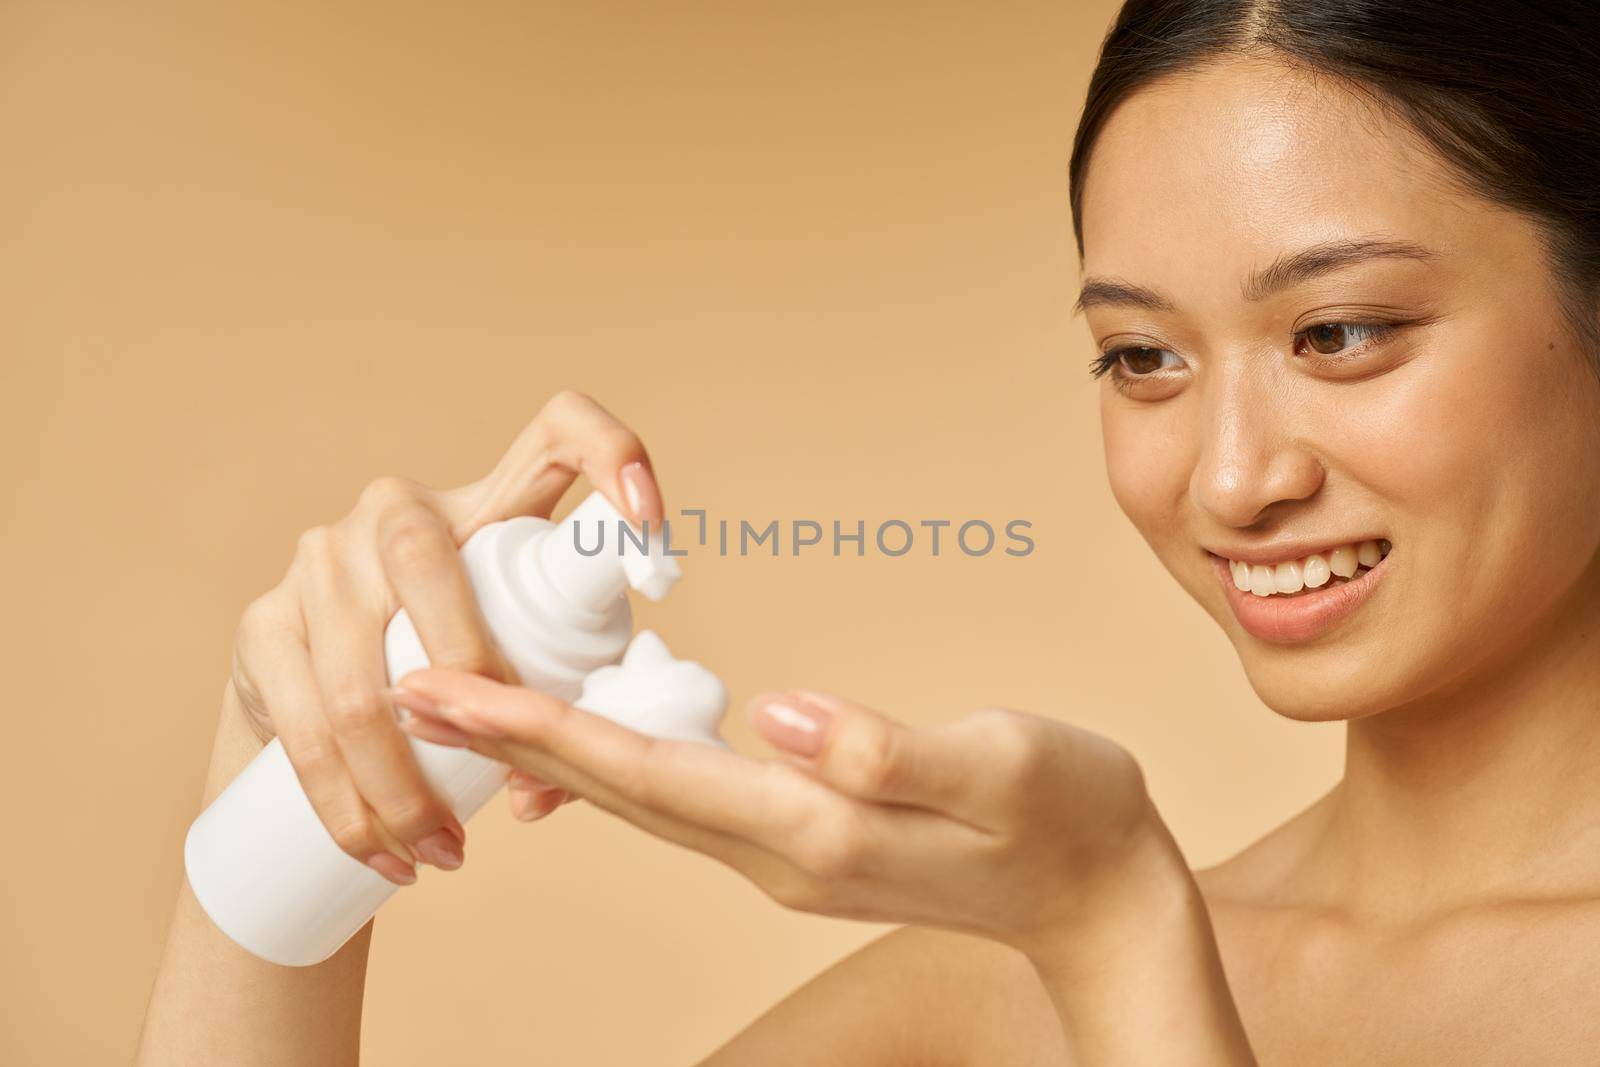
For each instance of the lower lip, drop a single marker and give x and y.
(1286, 620)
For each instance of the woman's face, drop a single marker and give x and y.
(1327, 341)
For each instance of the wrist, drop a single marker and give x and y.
(1134, 972)
(1141, 889)
(235, 745)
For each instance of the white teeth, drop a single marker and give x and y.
(1342, 561)
(1311, 572)
(1263, 581)
(1287, 576)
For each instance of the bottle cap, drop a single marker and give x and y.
(594, 553)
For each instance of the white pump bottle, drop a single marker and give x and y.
(264, 867)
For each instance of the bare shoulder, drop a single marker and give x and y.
(915, 995)
(1258, 875)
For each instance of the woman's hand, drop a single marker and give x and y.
(1014, 827)
(308, 661)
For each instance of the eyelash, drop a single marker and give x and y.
(1377, 333)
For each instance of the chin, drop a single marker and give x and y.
(1348, 678)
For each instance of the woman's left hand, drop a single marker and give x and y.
(1011, 826)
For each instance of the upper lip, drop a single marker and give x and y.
(1284, 551)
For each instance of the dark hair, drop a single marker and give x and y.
(1507, 91)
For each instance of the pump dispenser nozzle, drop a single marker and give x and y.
(595, 553)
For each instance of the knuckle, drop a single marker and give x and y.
(826, 861)
(869, 761)
(386, 491)
(314, 545)
(413, 814)
(622, 442)
(413, 544)
(1123, 768)
(831, 851)
(567, 400)
(355, 709)
(637, 785)
(256, 620)
(1014, 740)
(313, 752)
(796, 893)
(470, 655)
(353, 831)
(633, 788)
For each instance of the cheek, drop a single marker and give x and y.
(1144, 461)
(1480, 454)
(1149, 456)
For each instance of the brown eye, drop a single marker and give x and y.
(1135, 363)
(1329, 339)
(1343, 339)
(1142, 360)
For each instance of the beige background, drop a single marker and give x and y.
(817, 254)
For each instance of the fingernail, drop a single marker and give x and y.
(640, 492)
(441, 849)
(792, 724)
(463, 719)
(528, 805)
(521, 779)
(412, 700)
(460, 718)
(393, 868)
(435, 730)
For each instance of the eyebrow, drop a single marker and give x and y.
(1286, 270)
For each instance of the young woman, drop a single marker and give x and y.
(1342, 260)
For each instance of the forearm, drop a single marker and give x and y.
(213, 1002)
(1139, 980)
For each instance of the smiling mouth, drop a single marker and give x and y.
(1332, 583)
(1291, 601)
(1308, 574)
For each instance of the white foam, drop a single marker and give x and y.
(654, 693)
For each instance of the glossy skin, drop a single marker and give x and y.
(1436, 906)
(1465, 436)
(1440, 904)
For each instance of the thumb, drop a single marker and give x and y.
(533, 797)
(863, 752)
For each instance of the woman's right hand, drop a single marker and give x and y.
(308, 659)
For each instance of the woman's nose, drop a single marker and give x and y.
(1251, 457)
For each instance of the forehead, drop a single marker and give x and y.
(1225, 167)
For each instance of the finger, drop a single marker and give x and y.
(765, 867)
(532, 782)
(346, 639)
(528, 805)
(833, 841)
(535, 766)
(429, 729)
(280, 668)
(710, 799)
(423, 565)
(572, 434)
(866, 754)
(530, 797)
(767, 803)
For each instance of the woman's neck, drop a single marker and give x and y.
(1486, 791)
